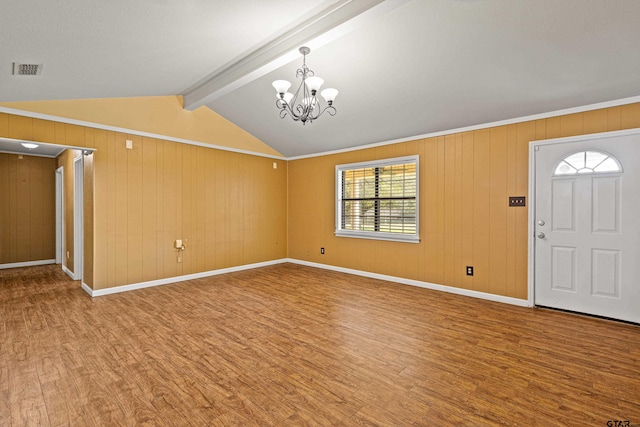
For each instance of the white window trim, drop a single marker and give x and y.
(377, 235)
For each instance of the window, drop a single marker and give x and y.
(378, 200)
(588, 162)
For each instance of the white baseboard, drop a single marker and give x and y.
(87, 289)
(427, 285)
(168, 280)
(401, 280)
(69, 272)
(27, 263)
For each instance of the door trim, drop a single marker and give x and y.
(78, 217)
(59, 214)
(533, 147)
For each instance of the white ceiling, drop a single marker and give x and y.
(403, 67)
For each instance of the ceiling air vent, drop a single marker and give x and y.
(26, 69)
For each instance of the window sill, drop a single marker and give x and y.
(381, 236)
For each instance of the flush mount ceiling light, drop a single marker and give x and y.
(304, 105)
(29, 145)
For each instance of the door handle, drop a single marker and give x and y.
(541, 235)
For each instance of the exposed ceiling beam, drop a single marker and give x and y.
(328, 24)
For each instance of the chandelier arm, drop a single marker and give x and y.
(315, 106)
(294, 104)
(331, 110)
(303, 106)
(285, 109)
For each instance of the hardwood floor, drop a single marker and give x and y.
(293, 345)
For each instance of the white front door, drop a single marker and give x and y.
(587, 226)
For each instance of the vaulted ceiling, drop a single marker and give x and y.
(403, 67)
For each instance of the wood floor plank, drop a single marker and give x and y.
(5, 408)
(25, 396)
(294, 345)
(64, 406)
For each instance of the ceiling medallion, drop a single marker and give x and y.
(304, 105)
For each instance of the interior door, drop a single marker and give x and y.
(587, 226)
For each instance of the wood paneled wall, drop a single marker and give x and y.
(27, 208)
(465, 181)
(229, 208)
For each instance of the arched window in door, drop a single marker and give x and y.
(588, 162)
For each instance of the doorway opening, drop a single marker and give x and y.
(46, 179)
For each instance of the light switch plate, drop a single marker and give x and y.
(518, 201)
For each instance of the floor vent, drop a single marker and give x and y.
(26, 69)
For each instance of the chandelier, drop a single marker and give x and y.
(304, 105)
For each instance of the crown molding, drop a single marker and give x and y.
(556, 113)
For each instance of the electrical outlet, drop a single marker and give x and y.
(322, 251)
(469, 270)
